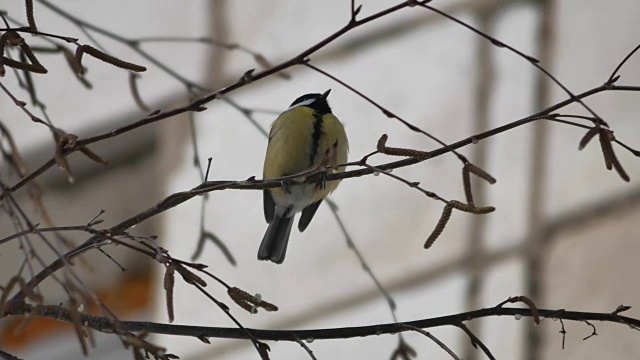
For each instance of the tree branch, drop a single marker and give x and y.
(105, 325)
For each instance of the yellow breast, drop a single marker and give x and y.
(298, 140)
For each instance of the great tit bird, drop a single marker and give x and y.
(300, 138)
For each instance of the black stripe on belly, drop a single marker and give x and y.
(315, 138)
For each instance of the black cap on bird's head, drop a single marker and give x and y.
(317, 102)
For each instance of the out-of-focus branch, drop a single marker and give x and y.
(7, 356)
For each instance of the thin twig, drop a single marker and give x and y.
(363, 263)
(306, 348)
(475, 341)
(435, 340)
(612, 78)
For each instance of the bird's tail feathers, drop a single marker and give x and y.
(275, 240)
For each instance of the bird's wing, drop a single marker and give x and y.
(307, 215)
(269, 205)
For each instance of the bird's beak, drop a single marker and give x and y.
(325, 94)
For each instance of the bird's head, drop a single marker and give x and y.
(317, 102)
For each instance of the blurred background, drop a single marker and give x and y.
(564, 232)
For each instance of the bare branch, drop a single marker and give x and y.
(106, 325)
(442, 345)
(593, 331)
(306, 348)
(475, 341)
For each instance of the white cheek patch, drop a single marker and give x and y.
(302, 103)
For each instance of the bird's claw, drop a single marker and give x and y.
(323, 180)
(285, 187)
